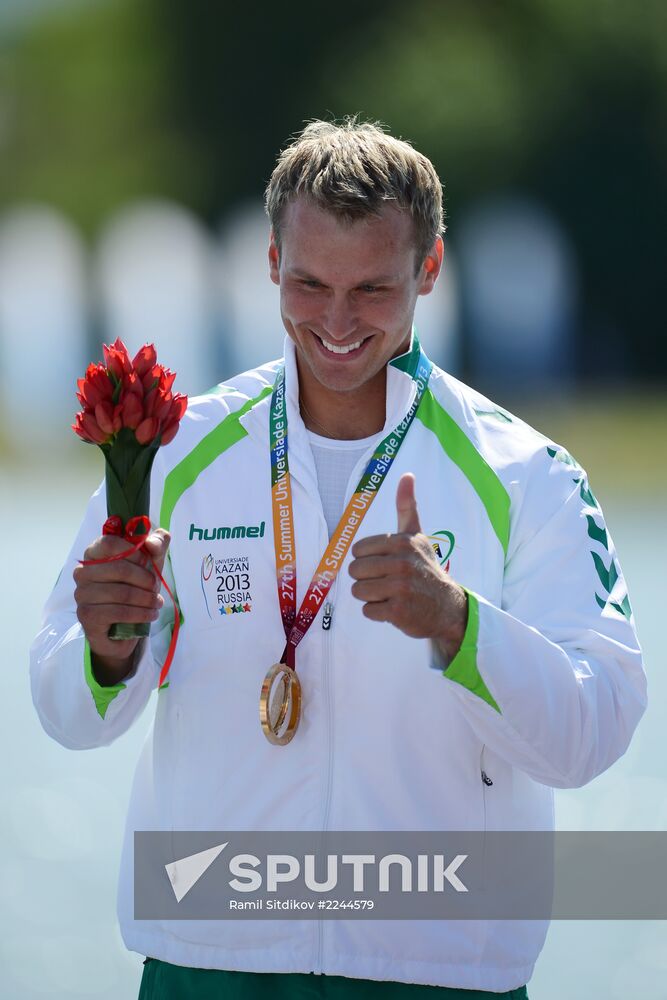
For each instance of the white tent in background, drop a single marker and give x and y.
(248, 299)
(43, 346)
(519, 294)
(152, 276)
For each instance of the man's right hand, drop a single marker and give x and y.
(126, 590)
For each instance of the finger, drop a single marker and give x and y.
(111, 649)
(378, 545)
(120, 571)
(374, 591)
(157, 546)
(378, 611)
(108, 546)
(105, 546)
(406, 505)
(376, 567)
(96, 619)
(117, 593)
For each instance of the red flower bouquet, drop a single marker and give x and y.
(128, 410)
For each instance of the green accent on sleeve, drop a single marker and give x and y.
(463, 453)
(561, 455)
(587, 495)
(597, 533)
(463, 668)
(496, 414)
(218, 390)
(608, 577)
(623, 608)
(102, 696)
(181, 478)
(602, 571)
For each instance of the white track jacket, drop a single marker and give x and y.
(545, 692)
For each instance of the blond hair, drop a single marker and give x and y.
(353, 169)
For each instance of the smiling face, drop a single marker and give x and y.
(348, 292)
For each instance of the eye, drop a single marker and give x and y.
(370, 289)
(310, 283)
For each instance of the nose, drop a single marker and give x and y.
(340, 320)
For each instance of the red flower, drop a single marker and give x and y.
(147, 430)
(171, 424)
(108, 417)
(151, 377)
(88, 430)
(158, 404)
(128, 393)
(132, 385)
(166, 379)
(179, 405)
(169, 431)
(144, 360)
(95, 386)
(132, 410)
(117, 359)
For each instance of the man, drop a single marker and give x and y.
(464, 656)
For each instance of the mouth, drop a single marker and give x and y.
(341, 350)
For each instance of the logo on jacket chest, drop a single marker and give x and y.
(226, 585)
(198, 534)
(443, 543)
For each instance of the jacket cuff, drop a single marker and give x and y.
(463, 668)
(103, 696)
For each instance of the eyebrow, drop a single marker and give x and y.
(383, 279)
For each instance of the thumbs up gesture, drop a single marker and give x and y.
(399, 579)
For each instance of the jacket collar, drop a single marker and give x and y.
(401, 390)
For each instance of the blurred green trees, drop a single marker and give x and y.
(107, 101)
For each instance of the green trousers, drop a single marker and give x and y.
(162, 981)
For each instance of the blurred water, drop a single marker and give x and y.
(64, 811)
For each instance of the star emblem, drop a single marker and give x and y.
(247, 607)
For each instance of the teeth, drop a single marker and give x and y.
(337, 349)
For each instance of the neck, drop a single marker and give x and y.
(346, 416)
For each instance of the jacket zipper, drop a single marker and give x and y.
(486, 784)
(328, 641)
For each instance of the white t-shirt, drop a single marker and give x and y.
(334, 461)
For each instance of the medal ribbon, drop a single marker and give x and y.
(297, 624)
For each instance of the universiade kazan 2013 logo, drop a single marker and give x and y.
(443, 543)
(225, 584)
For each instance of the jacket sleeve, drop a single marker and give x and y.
(553, 680)
(73, 708)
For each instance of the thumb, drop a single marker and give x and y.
(157, 545)
(406, 505)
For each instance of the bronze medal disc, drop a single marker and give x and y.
(280, 704)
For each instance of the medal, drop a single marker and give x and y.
(280, 697)
(280, 704)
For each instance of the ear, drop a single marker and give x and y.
(274, 260)
(431, 266)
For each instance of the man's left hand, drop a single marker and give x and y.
(400, 580)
